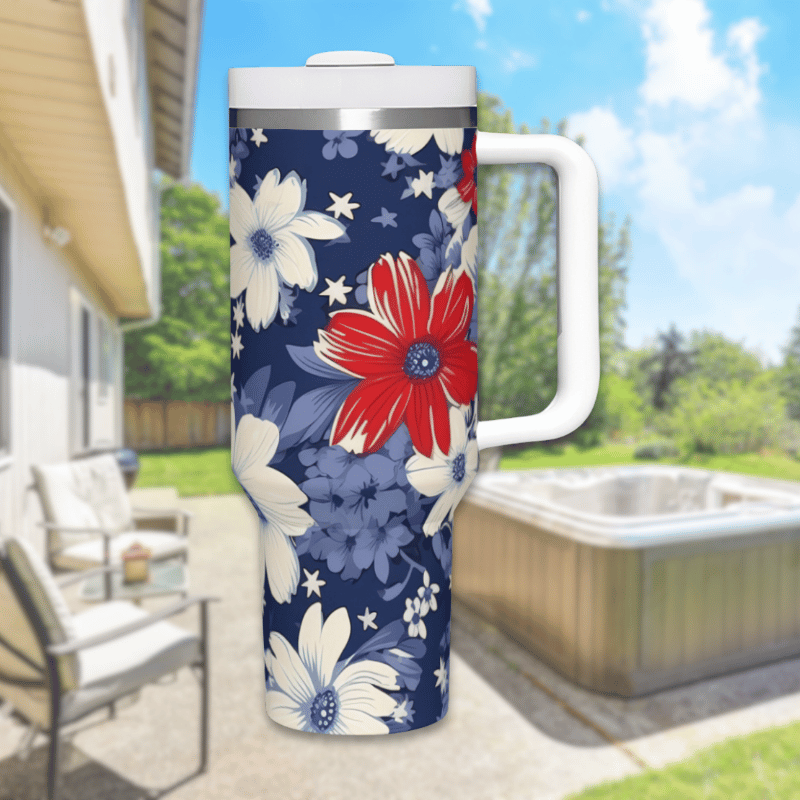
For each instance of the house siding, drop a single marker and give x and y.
(43, 280)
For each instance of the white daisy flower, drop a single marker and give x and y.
(427, 594)
(313, 691)
(276, 498)
(413, 616)
(412, 140)
(271, 236)
(469, 254)
(447, 476)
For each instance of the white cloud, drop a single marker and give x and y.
(583, 15)
(481, 44)
(608, 142)
(479, 10)
(696, 159)
(683, 65)
(518, 59)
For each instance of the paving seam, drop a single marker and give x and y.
(532, 679)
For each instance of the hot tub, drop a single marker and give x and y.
(628, 580)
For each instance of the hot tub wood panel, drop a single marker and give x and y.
(751, 599)
(769, 605)
(789, 608)
(635, 619)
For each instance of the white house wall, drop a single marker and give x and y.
(43, 279)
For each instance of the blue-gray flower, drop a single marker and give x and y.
(336, 547)
(364, 492)
(341, 143)
(433, 245)
(377, 544)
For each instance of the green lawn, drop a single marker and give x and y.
(761, 766)
(191, 472)
(208, 470)
(770, 465)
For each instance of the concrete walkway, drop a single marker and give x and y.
(515, 728)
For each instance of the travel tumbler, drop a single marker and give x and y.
(353, 223)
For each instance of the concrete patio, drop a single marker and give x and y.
(515, 728)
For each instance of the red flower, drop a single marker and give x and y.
(411, 353)
(467, 187)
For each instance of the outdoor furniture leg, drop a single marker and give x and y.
(204, 687)
(53, 771)
(54, 751)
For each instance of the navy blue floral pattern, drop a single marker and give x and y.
(354, 375)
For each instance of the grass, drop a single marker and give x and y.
(191, 472)
(767, 465)
(760, 766)
(208, 470)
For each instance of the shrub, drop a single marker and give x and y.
(725, 417)
(654, 451)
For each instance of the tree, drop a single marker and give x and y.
(790, 372)
(718, 358)
(670, 361)
(517, 322)
(186, 354)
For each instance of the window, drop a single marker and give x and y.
(5, 330)
(105, 353)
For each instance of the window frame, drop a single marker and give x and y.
(7, 246)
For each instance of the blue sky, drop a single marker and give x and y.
(690, 108)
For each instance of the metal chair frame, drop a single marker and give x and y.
(50, 679)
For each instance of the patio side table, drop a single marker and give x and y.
(166, 577)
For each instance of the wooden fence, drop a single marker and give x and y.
(161, 424)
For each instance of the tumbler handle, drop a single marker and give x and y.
(578, 343)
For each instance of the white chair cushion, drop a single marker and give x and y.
(117, 667)
(48, 600)
(90, 553)
(87, 492)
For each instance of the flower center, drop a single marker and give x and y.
(415, 618)
(323, 710)
(263, 244)
(459, 467)
(369, 492)
(422, 360)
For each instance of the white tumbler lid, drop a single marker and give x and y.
(351, 79)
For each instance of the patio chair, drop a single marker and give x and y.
(89, 518)
(56, 667)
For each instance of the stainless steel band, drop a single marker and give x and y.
(340, 119)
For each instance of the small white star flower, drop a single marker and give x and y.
(342, 205)
(238, 314)
(233, 388)
(441, 675)
(336, 291)
(312, 583)
(368, 618)
(236, 345)
(258, 137)
(423, 184)
(400, 712)
(232, 170)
